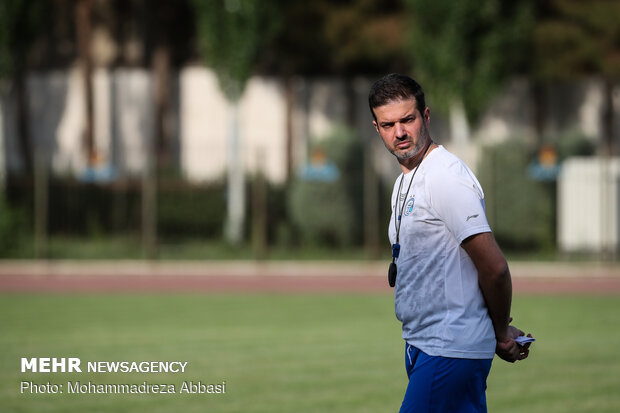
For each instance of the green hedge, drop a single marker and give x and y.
(329, 212)
(86, 209)
(521, 211)
(12, 228)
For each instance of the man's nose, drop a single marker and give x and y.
(399, 131)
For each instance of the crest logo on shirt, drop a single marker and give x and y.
(409, 206)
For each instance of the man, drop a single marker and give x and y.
(452, 284)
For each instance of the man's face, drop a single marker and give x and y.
(403, 128)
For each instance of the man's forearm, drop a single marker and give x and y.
(497, 292)
(493, 279)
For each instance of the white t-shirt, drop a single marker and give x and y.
(437, 297)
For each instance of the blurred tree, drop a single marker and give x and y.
(574, 38)
(83, 29)
(168, 41)
(21, 21)
(231, 35)
(462, 51)
(344, 37)
(163, 21)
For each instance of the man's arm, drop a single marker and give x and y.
(496, 286)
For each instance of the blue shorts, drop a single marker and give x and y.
(442, 384)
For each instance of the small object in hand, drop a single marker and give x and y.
(521, 340)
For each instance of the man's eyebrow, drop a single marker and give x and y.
(391, 122)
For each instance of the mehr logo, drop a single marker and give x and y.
(409, 206)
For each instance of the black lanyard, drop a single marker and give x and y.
(398, 214)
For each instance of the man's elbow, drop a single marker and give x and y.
(498, 271)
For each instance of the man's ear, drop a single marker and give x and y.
(374, 122)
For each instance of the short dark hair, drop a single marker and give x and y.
(394, 87)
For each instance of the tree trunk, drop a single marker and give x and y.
(157, 150)
(538, 93)
(236, 182)
(161, 71)
(23, 122)
(83, 23)
(41, 200)
(259, 208)
(608, 119)
(460, 134)
(371, 204)
(290, 102)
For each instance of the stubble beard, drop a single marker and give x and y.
(403, 156)
(423, 138)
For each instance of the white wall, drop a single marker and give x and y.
(123, 120)
(588, 205)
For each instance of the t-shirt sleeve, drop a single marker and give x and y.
(458, 200)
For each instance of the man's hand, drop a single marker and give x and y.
(508, 349)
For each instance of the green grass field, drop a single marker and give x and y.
(291, 353)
